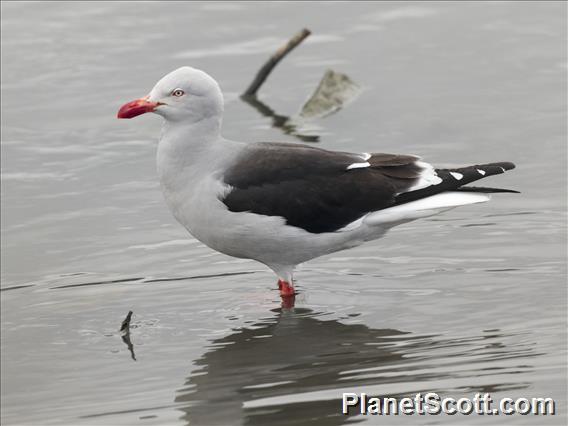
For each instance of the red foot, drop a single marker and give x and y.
(286, 289)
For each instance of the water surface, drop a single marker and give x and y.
(470, 301)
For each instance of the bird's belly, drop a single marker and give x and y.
(267, 239)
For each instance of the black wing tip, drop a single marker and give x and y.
(486, 190)
(504, 165)
(507, 165)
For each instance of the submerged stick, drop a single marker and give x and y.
(125, 326)
(267, 68)
(125, 331)
(279, 121)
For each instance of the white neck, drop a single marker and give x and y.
(191, 158)
(183, 144)
(191, 133)
(188, 152)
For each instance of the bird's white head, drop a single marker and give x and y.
(186, 94)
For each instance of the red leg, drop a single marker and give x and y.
(287, 293)
(288, 302)
(286, 289)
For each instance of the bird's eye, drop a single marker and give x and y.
(178, 92)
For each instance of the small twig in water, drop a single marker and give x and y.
(125, 326)
(267, 68)
(125, 331)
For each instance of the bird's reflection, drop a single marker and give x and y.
(300, 352)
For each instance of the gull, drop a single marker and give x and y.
(283, 204)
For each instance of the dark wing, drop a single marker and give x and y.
(322, 191)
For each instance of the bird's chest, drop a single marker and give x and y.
(195, 202)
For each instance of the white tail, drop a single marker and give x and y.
(425, 207)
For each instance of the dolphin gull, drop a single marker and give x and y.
(282, 204)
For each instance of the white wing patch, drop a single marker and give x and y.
(358, 165)
(427, 178)
(481, 172)
(456, 175)
(365, 156)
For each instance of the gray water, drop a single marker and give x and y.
(473, 300)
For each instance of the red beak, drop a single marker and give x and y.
(136, 107)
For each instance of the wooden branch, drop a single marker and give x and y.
(267, 68)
